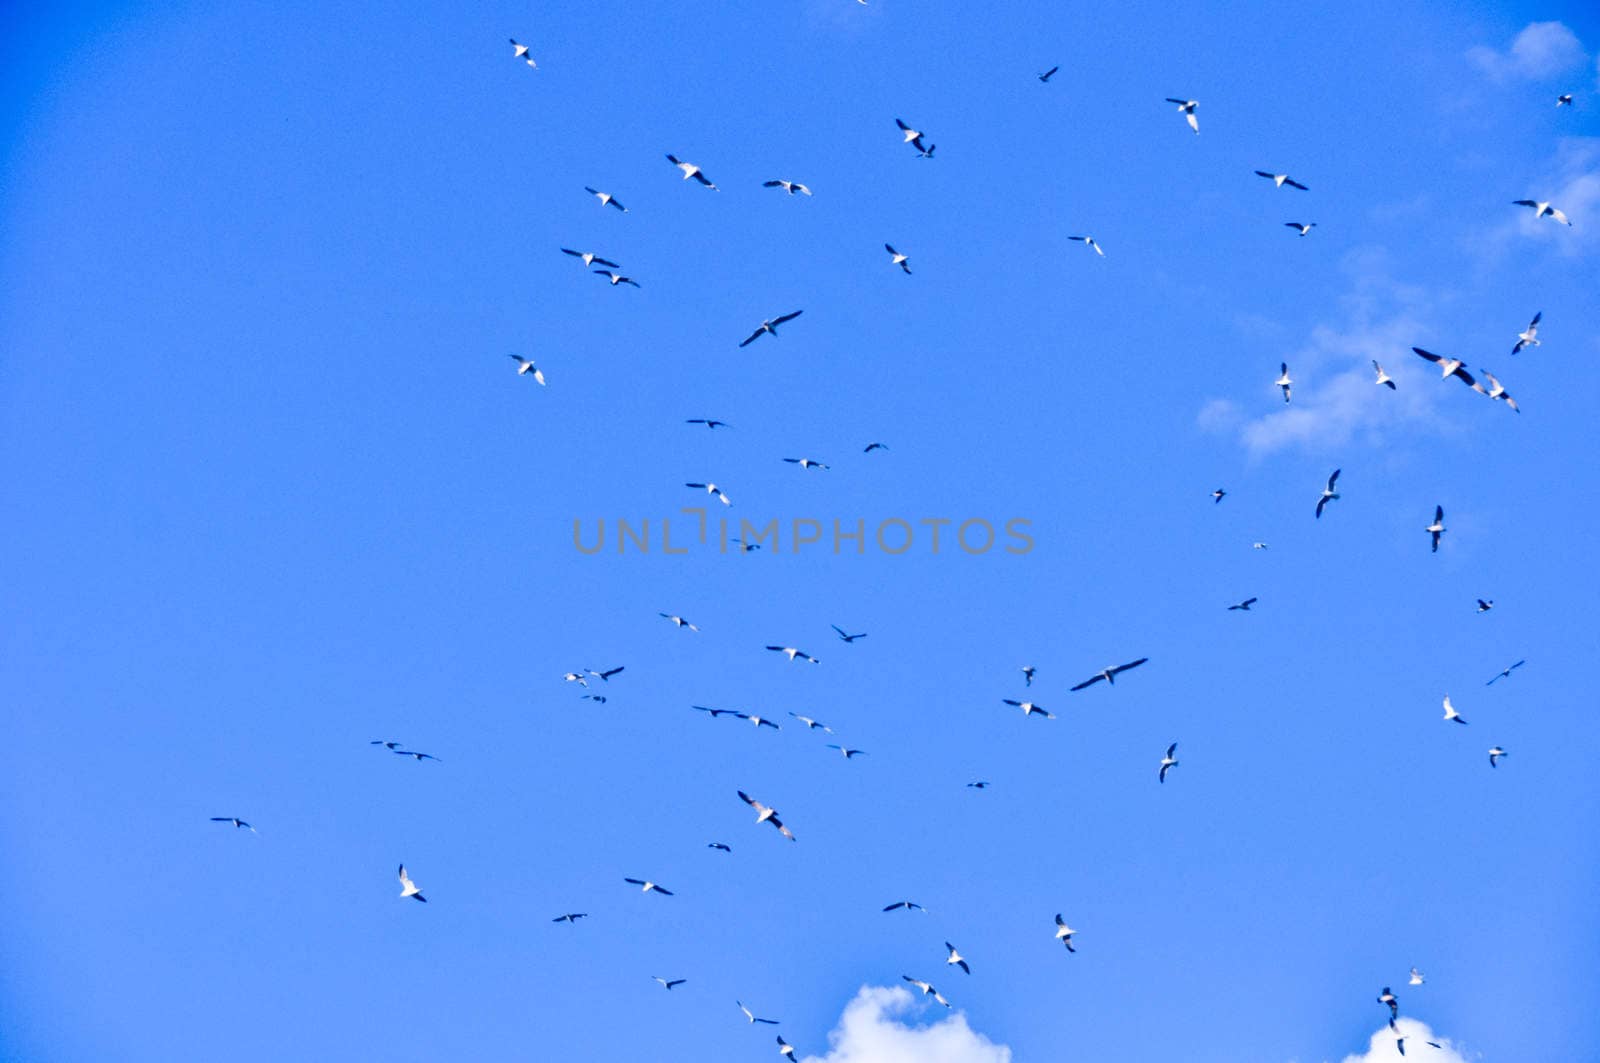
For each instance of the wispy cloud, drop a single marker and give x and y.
(1383, 1049)
(1572, 185)
(871, 1031)
(1540, 50)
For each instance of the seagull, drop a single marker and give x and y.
(1028, 672)
(589, 258)
(570, 917)
(812, 725)
(713, 489)
(521, 52)
(647, 886)
(790, 187)
(1089, 241)
(1505, 673)
(870, 447)
(691, 170)
(1281, 179)
(847, 638)
(719, 712)
(666, 984)
(606, 675)
(679, 621)
(907, 905)
(897, 258)
(236, 821)
(1168, 761)
(1400, 1045)
(605, 198)
(409, 888)
(1541, 209)
(979, 785)
(1029, 708)
(927, 989)
(752, 1017)
(384, 742)
(766, 815)
(1064, 933)
(1187, 109)
(720, 847)
(598, 699)
(1495, 753)
(848, 753)
(770, 325)
(1218, 495)
(759, 721)
(1529, 337)
(1303, 227)
(616, 278)
(1328, 493)
(1244, 606)
(793, 653)
(1048, 74)
(1564, 100)
(745, 547)
(928, 153)
(1284, 380)
(1383, 378)
(1451, 367)
(1437, 528)
(1416, 977)
(1450, 712)
(785, 1048)
(574, 677)
(1110, 674)
(913, 137)
(956, 958)
(525, 366)
(805, 463)
(418, 757)
(1497, 390)
(1258, 546)
(709, 422)
(1485, 606)
(1388, 998)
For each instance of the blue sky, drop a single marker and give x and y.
(273, 490)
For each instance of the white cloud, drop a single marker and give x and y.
(1542, 49)
(1572, 186)
(870, 1031)
(1382, 1048)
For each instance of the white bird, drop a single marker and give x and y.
(524, 367)
(1168, 761)
(927, 989)
(897, 259)
(1303, 227)
(691, 170)
(752, 1016)
(790, 187)
(1218, 495)
(1389, 998)
(1258, 546)
(666, 984)
(1281, 179)
(912, 137)
(764, 814)
(713, 489)
(606, 199)
(616, 278)
(1028, 672)
(1029, 708)
(1495, 753)
(521, 52)
(848, 753)
(1437, 528)
(1328, 493)
(812, 725)
(1416, 977)
(574, 677)
(1064, 933)
(758, 721)
(1564, 100)
(1450, 712)
(646, 886)
(1451, 367)
(409, 888)
(927, 153)
(785, 1049)
(589, 258)
(1485, 606)
(1505, 673)
(1497, 390)
(793, 653)
(1541, 209)
(1384, 379)
(1529, 337)
(770, 326)
(805, 463)
(1284, 381)
(1187, 109)
(956, 958)
(236, 821)
(1089, 241)
(1110, 674)
(679, 621)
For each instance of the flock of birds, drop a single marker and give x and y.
(766, 814)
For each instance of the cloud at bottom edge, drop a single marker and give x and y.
(872, 1030)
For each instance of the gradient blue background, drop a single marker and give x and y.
(272, 489)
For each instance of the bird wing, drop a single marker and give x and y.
(1295, 184)
(753, 337)
(1182, 103)
(890, 249)
(1429, 355)
(1173, 748)
(1268, 176)
(1334, 478)
(1088, 683)
(1133, 664)
(1438, 514)
(787, 317)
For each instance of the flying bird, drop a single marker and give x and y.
(1284, 381)
(525, 367)
(1495, 753)
(1281, 179)
(805, 463)
(236, 821)
(765, 814)
(1304, 228)
(1498, 392)
(1218, 495)
(709, 422)
(913, 137)
(1029, 708)
(928, 154)
(1505, 673)
(598, 699)
(616, 278)
(844, 637)
(1258, 546)
(647, 886)
(848, 753)
(1064, 933)
(590, 258)
(1437, 528)
(812, 725)
(793, 653)
(1485, 606)
(409, 888)
(927, 989)
(1564, 100)
(1244, 606)
(418, 757)
(1416, 977)
(956, 958)
(574, 677)
(606, 199)
(979, 785)
(713, 489)
(1388, 998)
(520, 51)
(666, 984)
(691, 170)
(1048, 74)
(907, 905)
(1384, 379)
(752, 1016)
(785, 1049)
(679, 621)
(758, 721)
(718, 712)
(897, 259)
(1328, 493)
(870, 447)
(1028, 672)
(1541, 209)
(1450, 712)
(1169, 761)
(385, 743)
(1089, 241)
(606, 675)
(770, 325)
(1529, 337)
(720, 847)
(1110, 674)
(570, 918)
(790, 187)
(1187, 109)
